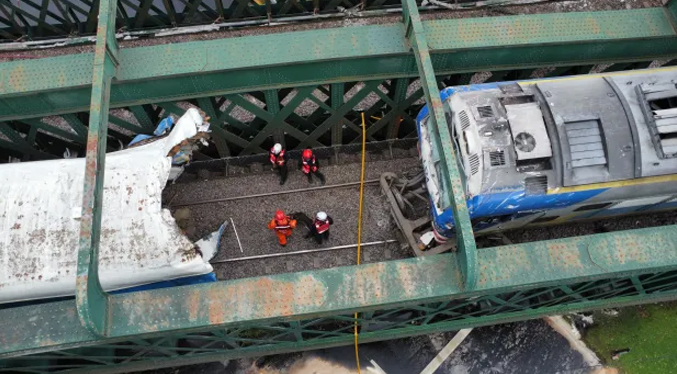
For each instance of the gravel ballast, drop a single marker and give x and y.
(252, 215)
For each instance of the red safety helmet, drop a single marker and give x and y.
(307, 153)
(279, 215)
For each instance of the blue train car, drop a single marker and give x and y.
(556, 150)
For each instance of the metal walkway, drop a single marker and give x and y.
(287, 312)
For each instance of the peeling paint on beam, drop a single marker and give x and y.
(91, 300)
(209, 68)
(260, 301)
(309, 294)
(467, 249)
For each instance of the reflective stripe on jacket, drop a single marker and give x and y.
(309, 165)
(276, 159)
(321, 226)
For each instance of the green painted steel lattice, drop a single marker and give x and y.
(315, 116)
(181, 71)
(35, 19)
(323, 115)
(375, 324)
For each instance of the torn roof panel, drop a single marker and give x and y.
(40, 205)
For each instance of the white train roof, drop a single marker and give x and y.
(40, 205)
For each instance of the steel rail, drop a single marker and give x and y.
(305, 251)
(349, 184)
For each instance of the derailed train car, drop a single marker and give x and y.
(556, 150)
(141, 245)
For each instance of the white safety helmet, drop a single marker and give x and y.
(321, 216)
(277, 148)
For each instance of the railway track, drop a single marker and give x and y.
(268, 194)
(251, 200)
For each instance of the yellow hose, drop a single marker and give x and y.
(359, 231)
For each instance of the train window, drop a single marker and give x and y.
(544, 219)
(449, 116)
(592, 207)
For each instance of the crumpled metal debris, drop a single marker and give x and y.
(164, 126)
(181, 153)
(209, 245)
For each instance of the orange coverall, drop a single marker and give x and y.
(283, 229)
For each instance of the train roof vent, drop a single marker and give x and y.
(510, 88)
(666, 125)
(528, 131)
(497, 158)
(465, 121)
(585, 143)
(474, 161)
(659, 105)
(485, 111)
(536, 185)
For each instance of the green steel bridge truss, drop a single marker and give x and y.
(41, 19)
(399, 64)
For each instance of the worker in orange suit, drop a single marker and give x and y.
(283, 226)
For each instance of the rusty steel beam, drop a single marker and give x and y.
(180, 71)
(467, 249)
(250, 304)
(91, 300)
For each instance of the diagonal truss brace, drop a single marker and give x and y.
(415, 35)
(91, 300)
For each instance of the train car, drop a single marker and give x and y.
(141, 245)
(556, 150)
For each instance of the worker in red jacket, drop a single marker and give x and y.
(279, 161)
(310, 166)
(320, 228)
(283, 226)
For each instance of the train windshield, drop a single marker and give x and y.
(433, 165)
(441, 169)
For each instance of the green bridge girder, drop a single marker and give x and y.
(179, 71)
(334, 61)
(42, 19)
(307, 310)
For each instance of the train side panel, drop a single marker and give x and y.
(557, 150)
